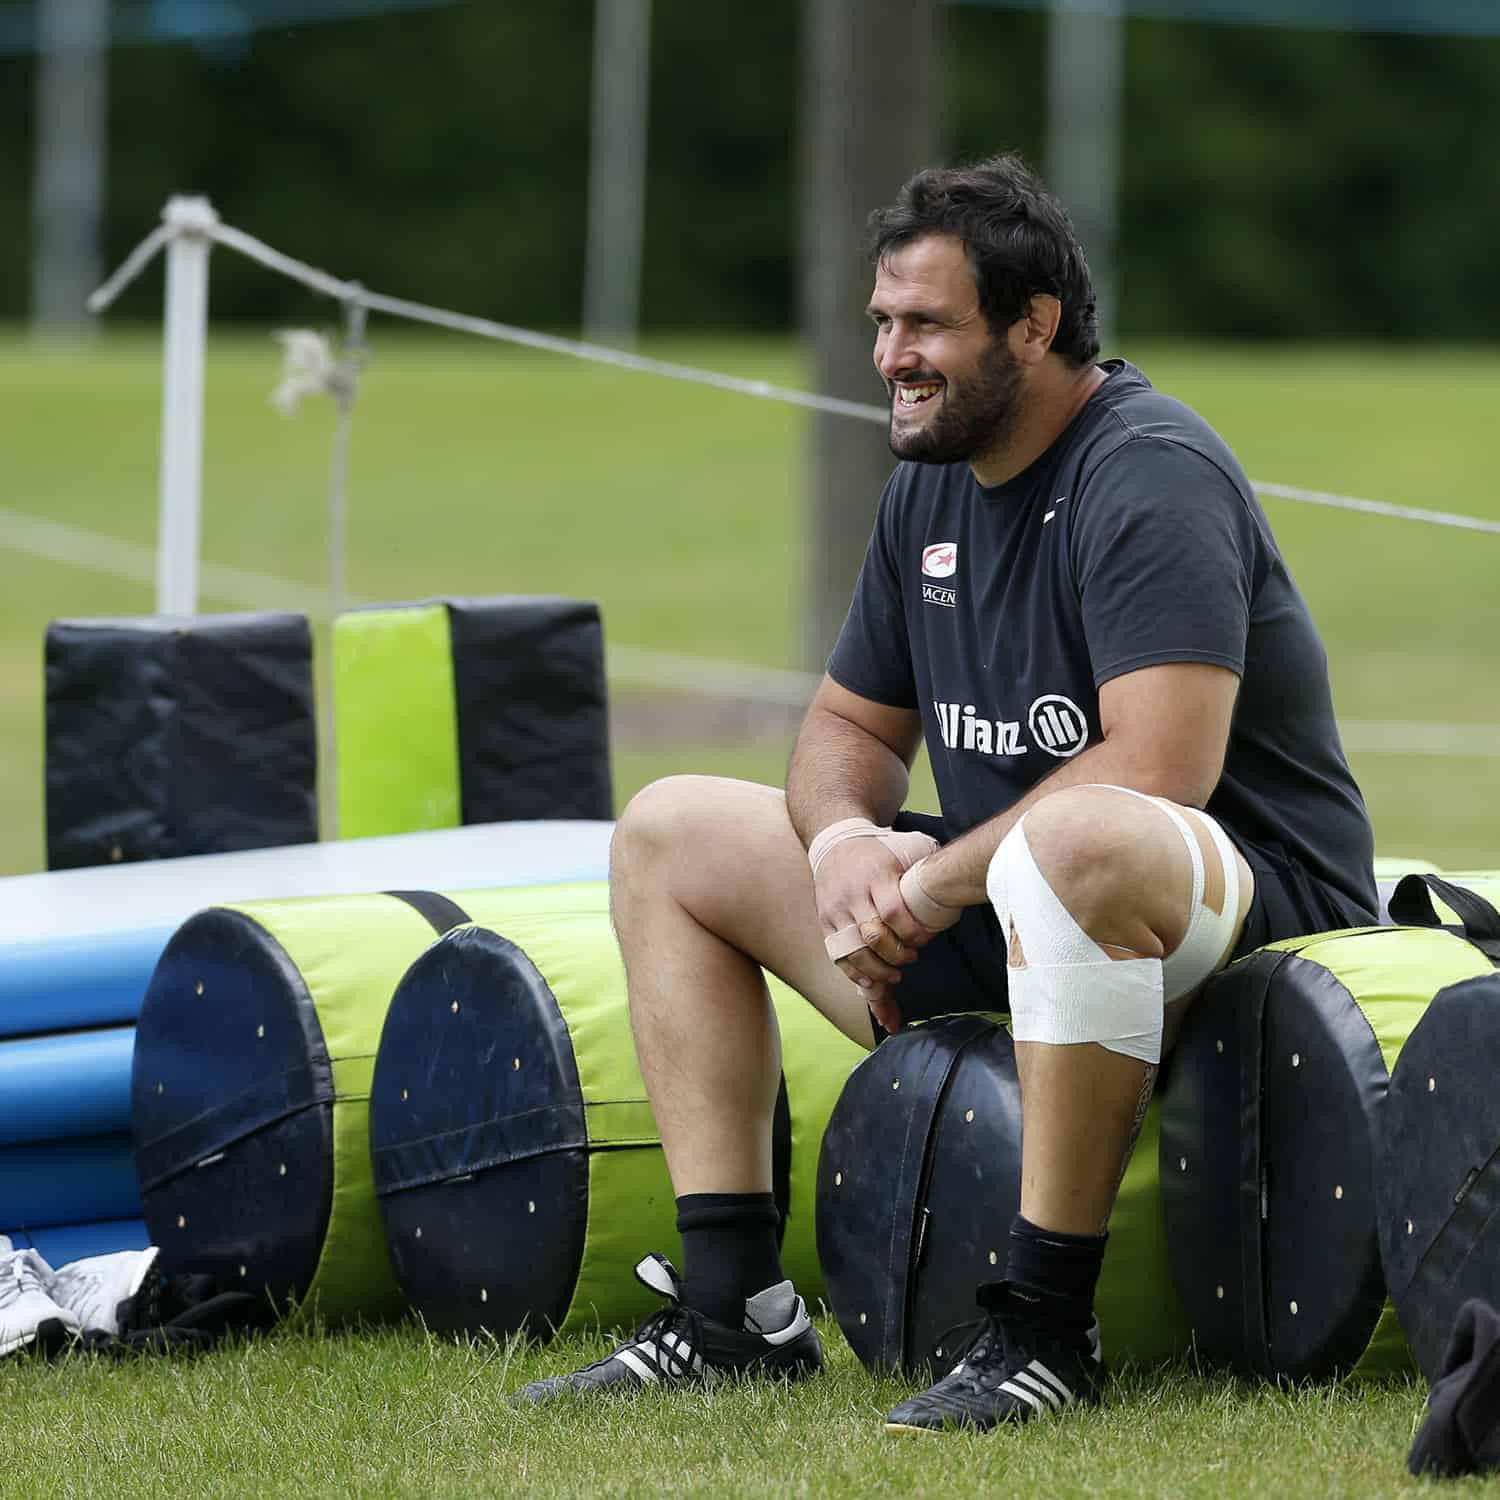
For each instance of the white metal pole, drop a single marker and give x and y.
(617, 169)
(185, 337)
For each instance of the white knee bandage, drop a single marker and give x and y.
(1069, 989)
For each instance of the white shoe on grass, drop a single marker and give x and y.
(29, 1314)
(92, 1290)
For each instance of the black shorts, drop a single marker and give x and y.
(964, 967)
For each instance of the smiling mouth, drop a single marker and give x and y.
(917, 393)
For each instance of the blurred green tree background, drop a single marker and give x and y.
(1277, 182)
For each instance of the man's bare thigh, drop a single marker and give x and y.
(729, 857)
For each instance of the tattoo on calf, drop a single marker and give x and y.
(1142, 1104)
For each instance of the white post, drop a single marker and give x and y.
(185, 337)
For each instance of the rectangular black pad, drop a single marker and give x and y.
(174, 735)
(533, 725)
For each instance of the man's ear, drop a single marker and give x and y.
(1032, 333)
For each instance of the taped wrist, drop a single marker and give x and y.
(838, 833)
(907, 847)
(1068, 989)
(932, 914)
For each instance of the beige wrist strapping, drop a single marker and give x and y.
(929, 912)
(910, 848)
(838, 833)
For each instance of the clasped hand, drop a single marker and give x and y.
(866, 920)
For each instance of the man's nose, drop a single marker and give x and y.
(894, 353)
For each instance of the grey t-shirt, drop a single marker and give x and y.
(1135, 539)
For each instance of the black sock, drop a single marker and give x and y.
(1064, 1267)
(729, 1251)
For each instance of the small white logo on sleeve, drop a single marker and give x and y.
(940, 559)
(1058, 725)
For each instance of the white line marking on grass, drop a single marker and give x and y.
(1414, 737)
(58, 542)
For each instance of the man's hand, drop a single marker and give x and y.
(869, 932)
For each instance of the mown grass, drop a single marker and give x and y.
(396, 1411)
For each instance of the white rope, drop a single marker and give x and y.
(130, 268)
(622, 359)
(1377, 507)
(437, 317)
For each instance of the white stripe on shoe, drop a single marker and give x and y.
(674, 1343)
(1036, 1367)
(1026, 1378)
(631, 1359)
(1022, 1394)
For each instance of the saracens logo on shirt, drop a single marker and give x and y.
(940, 560)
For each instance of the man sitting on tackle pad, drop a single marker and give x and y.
(1074, 597)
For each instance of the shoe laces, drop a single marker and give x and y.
(686, 1324)
(675, 1334)
(985, 1346)
(978, 1344)
(20, 1274)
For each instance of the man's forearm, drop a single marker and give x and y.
(839, 770)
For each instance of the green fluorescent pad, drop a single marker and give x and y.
(396, 721)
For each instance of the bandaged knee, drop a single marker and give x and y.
(1067, 989)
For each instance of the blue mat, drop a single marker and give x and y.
(55, 1087)
(68, 1182)
(62, 1243)
(95, 979)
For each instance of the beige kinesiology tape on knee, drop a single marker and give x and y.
(1068, 989)
(1209, 932)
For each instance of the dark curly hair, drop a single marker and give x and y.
(1019, 239)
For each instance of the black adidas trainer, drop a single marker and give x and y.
(679, 1344)
(1014, 1368)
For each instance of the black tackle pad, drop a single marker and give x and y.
(1439, 1166)
(918, 1181)
(1269, 1172)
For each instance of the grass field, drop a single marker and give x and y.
(484, 471)
(396, 1412)
(478, 469)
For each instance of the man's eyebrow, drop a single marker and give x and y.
(924, 314)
